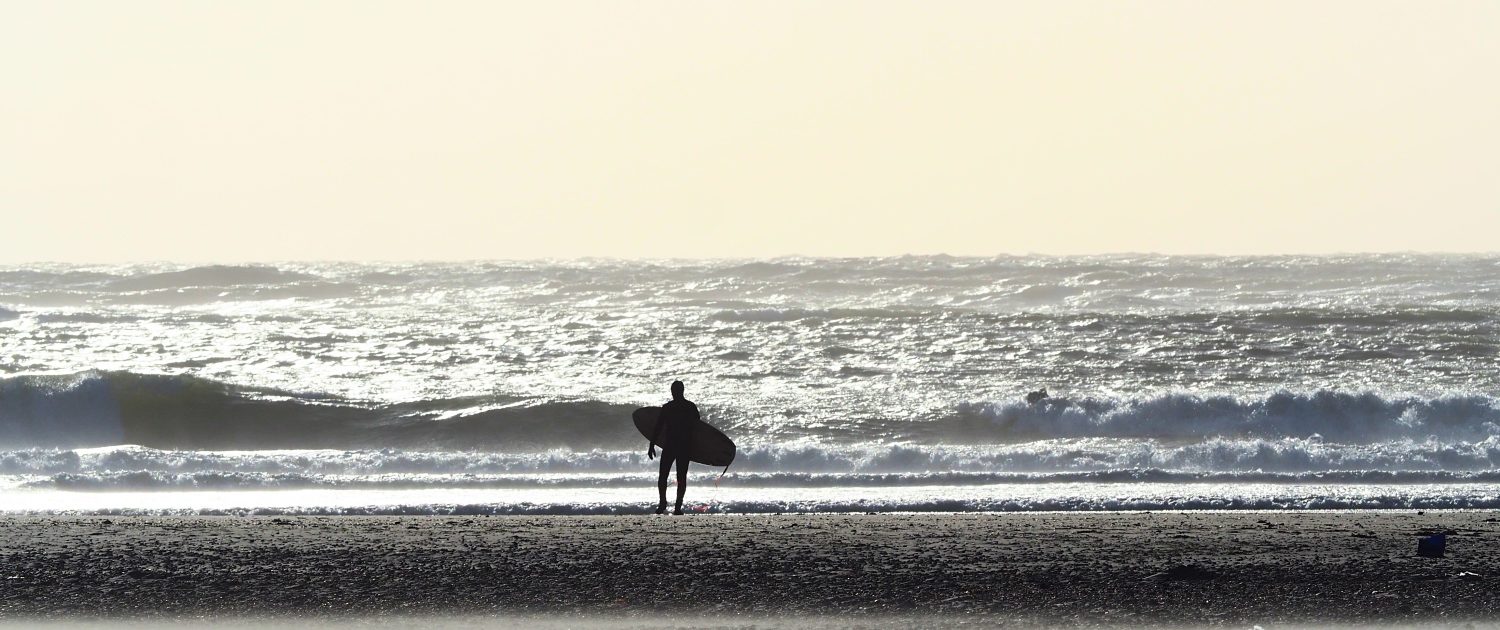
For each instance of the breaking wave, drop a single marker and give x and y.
(1325, 415)
(1280, 431)
(186, 412)
(1055, 461)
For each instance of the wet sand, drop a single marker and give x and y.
(1038, 568)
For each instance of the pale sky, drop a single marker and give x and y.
(203, 131)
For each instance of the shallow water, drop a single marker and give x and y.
(735, 622)
(729, 498)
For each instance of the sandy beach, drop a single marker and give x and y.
(1043, 568)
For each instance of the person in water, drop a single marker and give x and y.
(1037, 396)
(677, 420)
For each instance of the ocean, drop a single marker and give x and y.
(849, 385)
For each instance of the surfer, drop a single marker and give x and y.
(1037, 396)
(677, 418)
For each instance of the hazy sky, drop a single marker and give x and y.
(266, 130)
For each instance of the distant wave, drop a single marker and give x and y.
(187, 296)
(795, 314)
(193, 286)
(86, 317)
(1373, 318)
(1123, 281)
(210, 276)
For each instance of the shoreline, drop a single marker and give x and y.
(1112, 568)
(632, 496)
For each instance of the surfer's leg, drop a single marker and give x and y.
(682, 466)
(661, 481)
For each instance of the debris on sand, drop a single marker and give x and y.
(1182, 572)
(1432, 546)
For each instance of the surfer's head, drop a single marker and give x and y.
(676, 389)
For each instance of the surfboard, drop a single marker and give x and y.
(709, 446)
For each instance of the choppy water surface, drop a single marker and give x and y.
(838, 378)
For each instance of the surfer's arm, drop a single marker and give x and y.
(655, 437)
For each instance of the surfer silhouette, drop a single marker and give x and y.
(677, 419)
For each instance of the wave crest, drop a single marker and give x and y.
(1327, 415)
(187, 412)
(210, 276)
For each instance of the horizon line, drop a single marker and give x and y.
(779, 257)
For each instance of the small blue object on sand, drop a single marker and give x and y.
(1432, 546)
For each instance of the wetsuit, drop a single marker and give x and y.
(678, 419)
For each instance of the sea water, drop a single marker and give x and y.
(871, 384)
